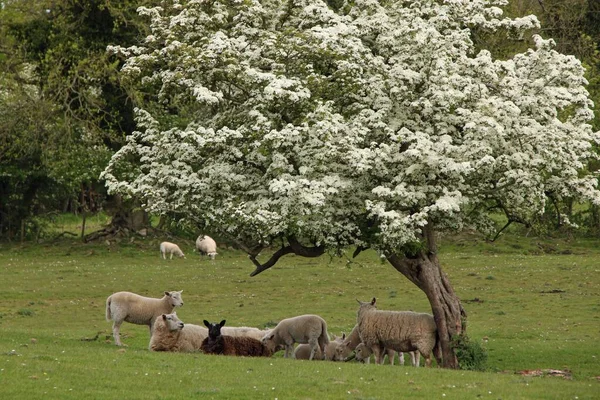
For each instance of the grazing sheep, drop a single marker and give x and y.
(136, 309)
(302, 352)
(216, 343)
(171, 334)
(170, 248)
(309, 328)
(397, 330)
(345, 349)
(206, 245)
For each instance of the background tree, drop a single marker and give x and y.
(63, 109)
(376, 126)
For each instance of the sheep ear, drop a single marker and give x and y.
(167, 293)
(207, 323)
(343, 336)
(222, 323)
(358, 301)
(373, 301)
(181, 291)
(164, 317)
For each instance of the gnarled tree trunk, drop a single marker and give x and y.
(424, 271)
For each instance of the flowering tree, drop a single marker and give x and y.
(375, 125)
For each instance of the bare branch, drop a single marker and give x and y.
(304, 251)
(272, 261)
(359, 249)
(294, 247)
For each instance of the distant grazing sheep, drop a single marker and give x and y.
(171, 334)
(309, 328)
(140, 310)
(170, 248)
(302, 352)
(216, 343)
(206, 245)
(397, 330)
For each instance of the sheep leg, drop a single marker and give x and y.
(170, 258)
(379, 354)
(401, 358)
(116, 333)
(415, 358)
(289, 349)
(427, 359)
(313, 348)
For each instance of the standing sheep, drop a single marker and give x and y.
(140, 310)
(302, 352)
(397, 330)
(345, 349)
(206, 245)
(171, 334)
(216, 343)
(309, 328)
(170, 248)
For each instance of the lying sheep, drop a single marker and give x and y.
(309, 328)
(206, 245)
(171, 334)
(397, 330)
(136, 309)
(170, 248)
(217, 343)
(302, 352)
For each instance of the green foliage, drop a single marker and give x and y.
(471, 355)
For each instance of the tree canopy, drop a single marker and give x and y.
(366, 124)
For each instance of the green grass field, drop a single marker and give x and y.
(532, 306)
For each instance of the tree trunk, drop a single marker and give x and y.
(424, 271)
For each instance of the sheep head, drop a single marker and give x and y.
(214, 330)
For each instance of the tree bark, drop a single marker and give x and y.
(424, 271)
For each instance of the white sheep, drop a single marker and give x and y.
(136, 309)
(308, 328)
(206, 245)
(302, 352)
(170, 248)
(171, 334)
(397, 330)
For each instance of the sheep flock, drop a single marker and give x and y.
(304, 337)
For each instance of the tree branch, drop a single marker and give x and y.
(294, 247)
(272, 261)
(304, 251)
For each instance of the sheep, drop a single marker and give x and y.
(206, 245)
(136, 309)
(308, 328)
(170, 248)
(344, 349)
(302, 352)
(216, 343)
(397, 330)
(171, 334)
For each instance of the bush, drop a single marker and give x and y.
(471, 355)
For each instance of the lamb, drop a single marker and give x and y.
(302, 352)
(397, 330)
(170, 248)
(308, 328)
(136, 309)
(206, 245)
(216, 343)
(171, 334)
(344, 349)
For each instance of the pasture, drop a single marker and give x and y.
(532, 305)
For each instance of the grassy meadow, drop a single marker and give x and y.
(532, 305)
